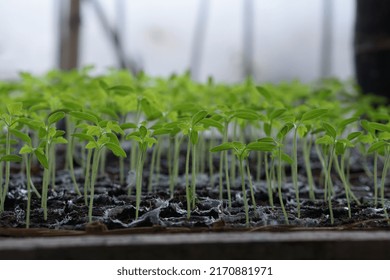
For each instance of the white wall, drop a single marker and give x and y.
(158, 37)
(27, 36)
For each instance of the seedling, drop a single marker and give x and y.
(182, 121)
(144, 140)
(100, 136)
(241, 151)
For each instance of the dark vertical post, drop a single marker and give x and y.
(372, 46)
(69, 38)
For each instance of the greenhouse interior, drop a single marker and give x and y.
(198, 129)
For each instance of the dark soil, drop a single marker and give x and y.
(114, 209)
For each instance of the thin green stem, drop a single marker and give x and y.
(376, 179)
(323, 164)
(151, 172)
(7, 170)
(259, 158)
(1, 183)
(158, 162)
(211, 162)
(328, 183)
(248, 172)
(69, 152)
(95, 168)
(102, 167)
(193, 176)
(345, 184)
(225, 157)
(386, 166)
(46, 178)
(139, 179)
(27, 159)
(246, 207)
(188, 191)
(295, 171)
(306, 156)
(221, 164)
(53, 166)
(269, 182)
(280, 185)
(87, 177)
(173, 178)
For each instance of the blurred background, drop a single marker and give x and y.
(273, 41)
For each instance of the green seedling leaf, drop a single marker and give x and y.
(276, 113)
(379, 126)
(325, 140)
(377, 146)
(267, 129)
(113, 138)
(264, 92)
(143, 131)
(103, 85)
(287, 158)
(38, 107)
(59, 133)
(330, 130)
(238, 146)
(12, 158)
(245, 114)
(223, 147)
(194, 137)
(343, 124)
(261, 146)
(302, 130)
(285, 129)
(366, 125)
(22, 136)
(42, 132)
(354, 135)
(15, 108)
(32, 124)
(314, 114)
(162, 131)
(384, 136)
(266, 140)
(116, 149)
(72, 105)
(122, 90)
(55, 117)
(115, 127)
(83, 136)
(103, 123)
(208, 122)
(41, 158)
(91, 145)
(150, 111)
(109, 112)
(198, 117)
(84, 116)
(93, 130)
(26, 149)
(59, 140)
(102, 140)
(340, 148)
(366, 138)
(150, 141)
(134, 136)
(128, 125)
